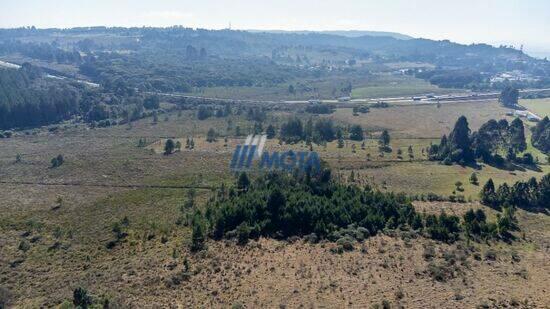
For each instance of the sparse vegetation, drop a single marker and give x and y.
(183, 229)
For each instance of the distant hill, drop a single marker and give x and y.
(346, 33)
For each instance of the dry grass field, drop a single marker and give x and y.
(66, 215)
(415, 121)
(540, 107)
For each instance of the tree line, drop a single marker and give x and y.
(321, 131)
(529, 195)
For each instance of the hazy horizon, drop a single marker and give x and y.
(493, 22)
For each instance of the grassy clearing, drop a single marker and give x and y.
(324, 88)
(381, 86)
(425, 120)
(371, 86)
(426, 177)
(540, 107)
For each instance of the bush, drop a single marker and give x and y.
(57, 161)
(24, 246)
(346, 243)
(440, 272)
(490, 255)
(81, 298)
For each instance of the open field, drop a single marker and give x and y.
(370, 86)
(396, 86)
(324, 88)
(540, 107)
(425, 120)
(66, 215)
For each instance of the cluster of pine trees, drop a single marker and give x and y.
(205, 112)
(29, 99)
(476, 224)
(321, 131)
(487, 144)
(530, 195)
(282, 205)
(25, 104)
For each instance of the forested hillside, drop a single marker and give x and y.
(207, 58)
(26, 101)
(130, 63)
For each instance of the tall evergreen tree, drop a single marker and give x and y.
(487, 194)
(356, 133)
(384, 138)
(270, 131)
(460, 144)
(169, 146)
(198, 236)
(517, 135)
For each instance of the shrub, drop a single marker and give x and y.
(490, 255)
(24, 246)
(81, 298)
(346, 243)
(57, 161)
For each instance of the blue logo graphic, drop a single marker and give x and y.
(244, 156)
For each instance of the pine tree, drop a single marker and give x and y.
(487, 194)
(243, 182)
(384, 138)
(356, 133)
(81, 299)
(517, 135)
(270, 131)
(308, 129)
(57, 161)
(198, 237)
(460, 144)
(211, 135)
(169, 146)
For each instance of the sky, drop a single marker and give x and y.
(510, 22)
